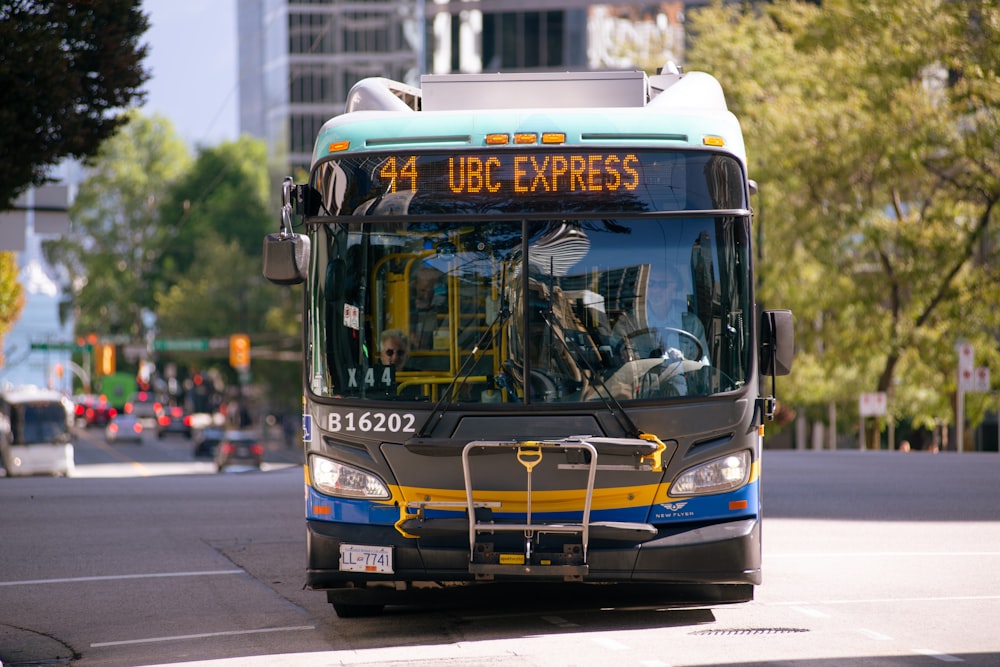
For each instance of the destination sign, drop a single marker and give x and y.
(516, 181)
(521, 174)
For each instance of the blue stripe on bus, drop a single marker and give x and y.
(740, 503)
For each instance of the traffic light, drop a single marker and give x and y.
(239, 351)
(105, 361)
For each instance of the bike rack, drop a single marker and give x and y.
(572, 562)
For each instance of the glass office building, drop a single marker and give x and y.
(299, 58)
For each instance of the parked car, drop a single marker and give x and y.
(239, 448)
(124, 428)
(93, 410)
(143, 405)
(207, 442)
(172, 419)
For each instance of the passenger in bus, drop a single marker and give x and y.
(394, 348)
(429, 300)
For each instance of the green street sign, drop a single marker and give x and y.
(59, 346)
(180, 344)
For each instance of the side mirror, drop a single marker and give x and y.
(777, 342)
(286, 258)
(286, 255)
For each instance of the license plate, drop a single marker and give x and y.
(361, 558)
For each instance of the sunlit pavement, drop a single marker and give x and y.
(460, 653)
(136, 469)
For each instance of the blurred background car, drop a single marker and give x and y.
(172, 419)
(239, 448)
(123, 428)
(207, 441)
(143, 405)
(93, 410)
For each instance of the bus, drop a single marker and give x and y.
(510, 233)
(35, 437)
(118, 388)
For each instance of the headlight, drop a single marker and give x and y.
(716, 476)
(337, 479)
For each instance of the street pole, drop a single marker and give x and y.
(966, 357)
(960, 418)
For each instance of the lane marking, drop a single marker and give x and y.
(871, 634)
(141, 470)
(808, 611)
(560, 622)
(881, 554)
(609, 643)
(203, 635)
(73, 580)
(949, 598)
(937, 655)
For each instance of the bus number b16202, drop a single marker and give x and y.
(375, 422)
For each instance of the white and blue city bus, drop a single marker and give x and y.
(509, 235)
(35, 438)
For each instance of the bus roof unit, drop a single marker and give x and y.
(537, 90)
(461, 109)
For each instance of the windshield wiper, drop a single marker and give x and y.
(441, 407)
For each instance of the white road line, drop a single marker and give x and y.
(608, 643)
(230, 633)
(871, 634)
(947, 598)
(73, 580)
(808, 611)
(560, 622)
(937, 655)
(880, 554)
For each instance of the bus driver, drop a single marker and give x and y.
(672, 332)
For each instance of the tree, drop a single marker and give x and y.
(65, 67)
(223, 196)
(871, 127)
(112, 257)
(224, 293)
(11, 295)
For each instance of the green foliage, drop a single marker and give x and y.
(11, 294)
(872, 129)
(223, 293)
(65, 67)
(161, 239)
(113, 255)
(226, 193)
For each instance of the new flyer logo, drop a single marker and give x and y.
(673, 510)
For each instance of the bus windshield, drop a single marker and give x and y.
(39, 422)
(525, 311)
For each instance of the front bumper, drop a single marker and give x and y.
(716, 553)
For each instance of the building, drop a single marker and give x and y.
(35, 350)
(298, 59)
